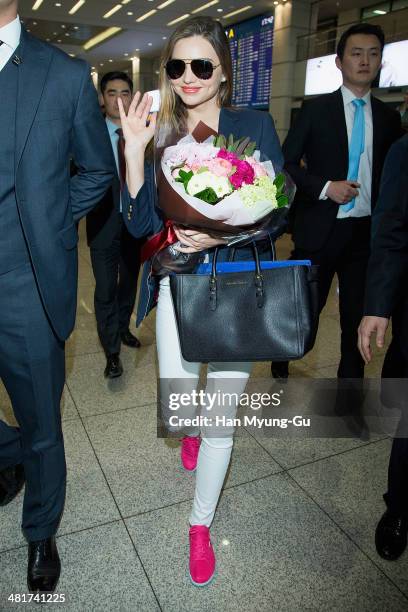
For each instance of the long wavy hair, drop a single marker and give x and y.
(173, 112)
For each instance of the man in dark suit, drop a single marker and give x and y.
(343, 138)
(387, 278)
(115, 254)
(49, 112)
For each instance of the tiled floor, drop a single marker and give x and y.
(293, 530)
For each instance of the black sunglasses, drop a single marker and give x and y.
(202, 68)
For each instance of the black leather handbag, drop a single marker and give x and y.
(261, 315)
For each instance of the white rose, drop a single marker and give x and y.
(199, 182)
(221, 186)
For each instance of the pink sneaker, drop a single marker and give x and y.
(190, 445)
(202, 558)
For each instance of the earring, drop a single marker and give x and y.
(223, 80)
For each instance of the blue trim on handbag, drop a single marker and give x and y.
(249, 266)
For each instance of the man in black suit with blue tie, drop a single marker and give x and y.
(49, 112)
(343, 138)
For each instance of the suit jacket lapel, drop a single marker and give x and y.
(340, 127)
(32, 73)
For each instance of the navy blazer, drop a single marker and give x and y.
(146, 218)
(58, 117)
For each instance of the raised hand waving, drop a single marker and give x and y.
(137, 129)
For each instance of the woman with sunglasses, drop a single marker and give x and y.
(195, 86)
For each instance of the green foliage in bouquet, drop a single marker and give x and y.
(184, 177)
(208, 195)
(241, 147)
(279, 182)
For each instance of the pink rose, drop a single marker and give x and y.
(231, 157)
(258, 167)
(220, 166)
(244, 174)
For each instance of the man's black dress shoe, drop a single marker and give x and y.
(391, 536)
(44, 566)
(129, 339)
(114, 366)
(12, 480)
(280, 370)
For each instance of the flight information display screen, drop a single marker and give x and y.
(251, 44)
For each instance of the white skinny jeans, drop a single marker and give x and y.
(215, 452)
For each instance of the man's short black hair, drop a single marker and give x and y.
(360, 28)
(113, 76)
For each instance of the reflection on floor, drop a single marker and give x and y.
(294, 527)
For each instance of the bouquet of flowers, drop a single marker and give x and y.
(223, 187)
(225, 180)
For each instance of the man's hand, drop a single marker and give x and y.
(342, 192)
(367, 326)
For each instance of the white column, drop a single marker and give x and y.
(136, 73)
(292, 19)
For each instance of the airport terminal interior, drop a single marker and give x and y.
(294, 528)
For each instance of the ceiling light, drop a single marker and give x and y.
(164, 37)
(63, 27)
(379, 12)
(58, 4)
(113, 10)
(178, 19)
(66, 33)
(129, 13)
(146, 15)
(276, 3)
(34, 23)
(241, 10)
(220, 10)
(126, 54)
(205, 6)
(76, 7)
(164, 4)
(137, 49)
(150, 44)
(111, 60)
(101, 64)
(76, 27)
(92, 42)
(71, 54)
(59, 41)
(126, 1)
(37, 5)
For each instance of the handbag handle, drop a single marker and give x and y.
(258, 279)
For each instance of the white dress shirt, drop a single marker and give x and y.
(10, 35)
(362, 206)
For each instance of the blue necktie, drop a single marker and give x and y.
(356, 148)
